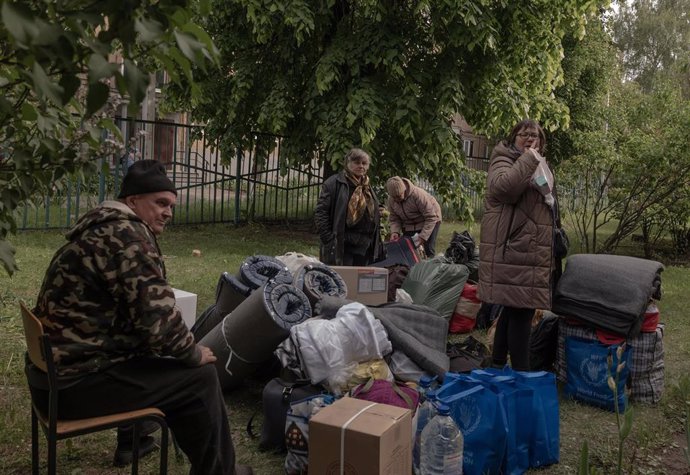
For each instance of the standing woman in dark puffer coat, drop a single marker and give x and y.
(517, 263)
(347, 215)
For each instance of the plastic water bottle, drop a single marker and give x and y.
(426, 384)
(442, 445)
(424, 414)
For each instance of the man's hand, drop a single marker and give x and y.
(207, 355)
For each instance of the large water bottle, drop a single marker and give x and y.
(441, 445)
(424, 414)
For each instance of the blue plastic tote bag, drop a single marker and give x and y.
(479, 413)
(587, 372)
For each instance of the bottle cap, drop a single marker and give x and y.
(426, 380)
(443, 409)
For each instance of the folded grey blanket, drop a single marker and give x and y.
(416, 330)
(608, 292)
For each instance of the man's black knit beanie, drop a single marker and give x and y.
(146, 176)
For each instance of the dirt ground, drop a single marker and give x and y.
(673, 458)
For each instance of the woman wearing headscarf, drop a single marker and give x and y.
(517, 262)
(347, 215)
(413, 211)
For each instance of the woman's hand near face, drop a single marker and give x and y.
(536, 153)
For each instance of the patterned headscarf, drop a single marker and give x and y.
(361, 200)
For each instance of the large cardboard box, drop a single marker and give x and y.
(186, 302)
(367, 285)
(357, 437)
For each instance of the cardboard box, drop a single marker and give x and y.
(370, 438)
(367, 285)
(186, 302)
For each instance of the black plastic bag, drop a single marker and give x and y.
(543, 346)
(461, 248)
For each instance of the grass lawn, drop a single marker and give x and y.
(654, 447)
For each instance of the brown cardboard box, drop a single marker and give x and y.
(367, 285)
(375, 439)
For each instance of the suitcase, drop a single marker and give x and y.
(402, 251)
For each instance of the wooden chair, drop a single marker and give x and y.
(40, 353)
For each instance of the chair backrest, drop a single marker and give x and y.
(33, 332)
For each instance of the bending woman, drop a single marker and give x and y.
(413, 211)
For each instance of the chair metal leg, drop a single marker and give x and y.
(135, 448)
(52, 452)
(34, 443)
(164, 449)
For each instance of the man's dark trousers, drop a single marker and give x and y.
(190, 397)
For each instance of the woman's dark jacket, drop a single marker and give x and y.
(330, 217)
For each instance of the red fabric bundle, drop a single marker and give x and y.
(465, 315)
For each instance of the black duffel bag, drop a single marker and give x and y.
(277, 396)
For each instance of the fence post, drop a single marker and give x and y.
(101, 181)
(238, 184)
(101, 171)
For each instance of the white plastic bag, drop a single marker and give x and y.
(542, 179)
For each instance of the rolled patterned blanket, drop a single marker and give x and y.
(318, 281)
(608, 292)
(247, 337)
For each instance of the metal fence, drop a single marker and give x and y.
(253, 185)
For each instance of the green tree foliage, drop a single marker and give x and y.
(624, 159)
(631, 170)
(56, 73)
(586, 152)
(654, 39)
(385, 75)
(653, 36)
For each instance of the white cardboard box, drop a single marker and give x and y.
(186, 302)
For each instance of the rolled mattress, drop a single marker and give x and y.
(247, 337)
(318, 281)
(230, 292)
(257, 270)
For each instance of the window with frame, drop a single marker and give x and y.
(467, 147)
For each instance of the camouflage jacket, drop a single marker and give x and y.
(105, 298)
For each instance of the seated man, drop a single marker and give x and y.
(413, 211)
(119, 342)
